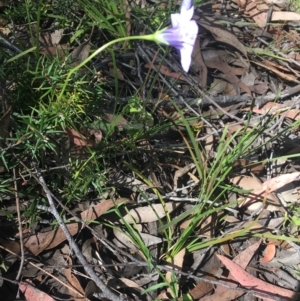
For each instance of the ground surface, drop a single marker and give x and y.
(128, 179)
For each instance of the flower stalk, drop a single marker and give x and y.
(182, 36)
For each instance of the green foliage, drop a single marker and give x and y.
(294, 5)
(45, 103)
(64, 8)
(108, 15)
(49, 95)
(17, 11)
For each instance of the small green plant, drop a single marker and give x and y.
(294, 5)
(110, 16)
(293, 216)
(52, 97)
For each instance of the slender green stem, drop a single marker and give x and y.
(38, 20)
(150, 37)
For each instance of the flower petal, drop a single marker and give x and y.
(186, 57)
(180, 35)
(188, 32)
(169, 36)
(186, 5)
(183, 33)
(186, 14)
(188, 46)
(175, 19)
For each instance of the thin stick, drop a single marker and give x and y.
(106, 292)
(19, 227)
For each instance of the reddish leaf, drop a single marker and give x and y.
(253, 283)
(74, 282)
(269, 253)
(243, 259)
(33, 294)
(278, 182)
(78, 139)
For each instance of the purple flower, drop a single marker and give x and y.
(183, 33)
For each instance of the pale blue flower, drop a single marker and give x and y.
(183, 33)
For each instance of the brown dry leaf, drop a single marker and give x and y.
(148, 214)
(33, 294)
(248, 78)
(44, 37)
(241, 3)
(185, 224)
(285, 16)
(220, 86)
(294, 56)
(80, 53)
(199, 65)
(221, 34)
(255, 284)
(115, 71)
(254, 167)
(234, 128)
(279, 181)
(286, 112)
(117, 283)
(98, 136)
(211, 56)
(48, 240)
(117, 120)
(122, 240)
(90, 289)
(10, 245)
(260, 88)
(182, 171)
(96, 211)
(288, 77)
(244, 258)
(78, 139)
(218, 59)
(253, 12)
(293, 36)
(275, 65)
(251, 182)
(269, 253)
(163, 296)
(166, 71)
(203, 288)
(281, 4)
(231, 219)
(73, 281)
(57, 50)
(270, 186)
(56, 36)
(206, 225)
(209, 140)
(262, 7)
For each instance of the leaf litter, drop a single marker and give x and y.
(245, 239)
